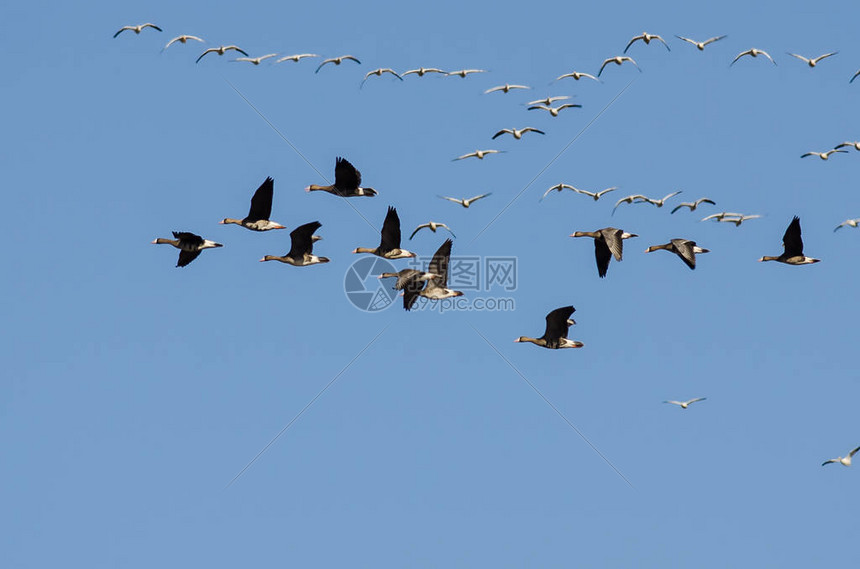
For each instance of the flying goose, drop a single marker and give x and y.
(464, 72)
(555, 110)
(433, 226)
(389, 245)
(506, 88)
(684, 248)
(182, 39)
(685, 404)
(189, 245)
(466, 202)
(814, 61)
(517, 133)
(261, 208)
(256, 60)
(297, 57)
(378, 73)
(558, 188)
(618, 60)
(577, 75)
(752, 53)
(658, 203)
(722, 215)
(824, 155)
(849, 223)
(608, 243)
(700, 44)
(855, 144)
(338, 61)
(595, 195)
(843, 460)
(549, 100)
(628, 199)
(422, 71)
(693, 205)
(301, 247)
(347, 182)
(407, 276)
(646, 37)
(137, 30)
(558, 322)
(436, 288)
(479, 154)
(221, 50)
(738, 219)
(792, 245)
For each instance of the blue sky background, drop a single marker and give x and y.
(133, 392)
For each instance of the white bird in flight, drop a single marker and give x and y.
(595, 195)
(700, 45)
(479, 154)
(467, 202)
(855, 144)
(618, 60)
(843, 460)
(517, 133)
(221, 50)
(338, 61)
(432, 226)
(824, 155)
(685, 404)
(558, 188)
(577, 75)
(506, 88)
(646, 37)
(256, 60)
(422, 71)
(848, 223)
(464, 72)
(378, 73)
(722, 215)
(693, 205)
(137, 29)
(658, 203)
(549, 100)
(812, 62)
(752, 53)
(553, 111)
(628, 199)
(738, 220)
(297, 57)
(182, 39)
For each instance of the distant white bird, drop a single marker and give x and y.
(182, 39)
(577, 76)
(628, 199)
(658, 203)
(753, 53)
(378, 73)
(722, 215)
(685, 404)
(618, 60)
(646, 37)
(479, 154)
(297, 57)
(700, 44)
(505, 88)
(738, 220)
(853, 77)
(693, 205)
(256, 60)
(464, 72)
(848, 223)
(221, 50)
(824, 155)
(558, 188)
(517, 133)
(843, 460)
(338, 61)
(813, 61)
(595, 195)
(856, 145)
(422, 71)
(137, 29)
(553, 111)
(549, 100)
(432, 226)
(467, 202)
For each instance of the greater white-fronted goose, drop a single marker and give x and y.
(137, 29)
(466, 202)
(685, 404)
(189, 245)
(506, 88)
(848, 223)
(618, 60)
(347, 182)
(824, 155)
(646, 37)
(256, 60)
(553, 111)
(182, 39)
(432, 226)
(684, 248)
(261, 208)
(517, 133)
(792, 245)
(301, 247)
(378, 73)
(337, 61)
(700, 45)
(389, 245)
(608, 243)
(436, 288)
(558, 322)
(693, 205)
(843, 460)
(479, 154)
(752, 53)
(406, 276)
(221, 50)
(812, 62)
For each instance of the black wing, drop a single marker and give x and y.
(186, 257)
(556, 324)
(390, 231)
(261, 203)
(301, 242)
(346, 177)
(189, 238)
(791, 241)
(439, 265)
(603, 255)
(411, 292)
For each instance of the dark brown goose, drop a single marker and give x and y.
(684, 248)
(558, 322)
(389, 245)
(608, 243)
(792, 246)
(347, 182)
(189, 245)
(261, 208)
(436, 287)
(302, 247)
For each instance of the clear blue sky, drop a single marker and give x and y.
(133, 392)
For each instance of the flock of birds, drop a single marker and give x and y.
(432, 283)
